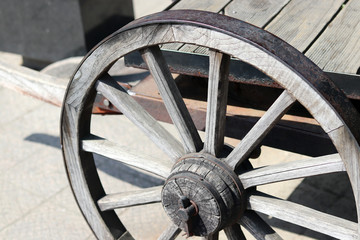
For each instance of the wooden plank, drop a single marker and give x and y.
(338, 48)
(217, 100)
(129, 199)
(33, 83)
(303, 216)
(258, 227)
(141, 118)
(260, 129)
(172, 98)
(127, 156)
(292, 170)
(170, 233)
(302, 20)
(209, 5)
(146, 7)
(256, 12)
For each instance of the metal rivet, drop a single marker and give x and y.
(106, 102)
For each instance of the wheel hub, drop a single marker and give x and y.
(202, 195)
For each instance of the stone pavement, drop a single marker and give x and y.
(36, 201)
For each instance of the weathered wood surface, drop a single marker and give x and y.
(260, 129)
(292, 170)
(217, 101)
(209, 5)
(131, 109)
(172, 99)
(210, 204)
(128, 199)
(170, 233)
(304, 216)
(299, 22)
(125, 155)
(146, 7)
(33, 83)
(86, 187)
(349, 150)
(302, 20)
(257, 12)
(258, 227)
(338, 48)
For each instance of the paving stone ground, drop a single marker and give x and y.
(36, 201)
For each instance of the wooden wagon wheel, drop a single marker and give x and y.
(202, 194)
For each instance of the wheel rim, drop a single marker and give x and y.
(304, 83)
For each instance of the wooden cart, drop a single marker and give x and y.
(210, 185)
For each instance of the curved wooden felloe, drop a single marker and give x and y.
(224, 37)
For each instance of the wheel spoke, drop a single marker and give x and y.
(170, 233)
(292, 170)
(214, 236)
(127, 156)
(234, 233)
(141, 118)
(128, 199)
(217, 101)
(258, 227)
(260, 129)
(172, 98)
(303, 216)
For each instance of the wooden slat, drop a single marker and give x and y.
(170, 233)
(260, 129)
(303, 216)
(208, 5)
(258, 227)
(234, 233)
(141, 118)
(172, 99)
(256, 12)
(125, 155)
(146, 7)
(33, 83)
(217, 100)
(302, 20)
(128, 199)
(292, 170)
(338, 48)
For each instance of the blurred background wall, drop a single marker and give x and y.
(44, 31)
